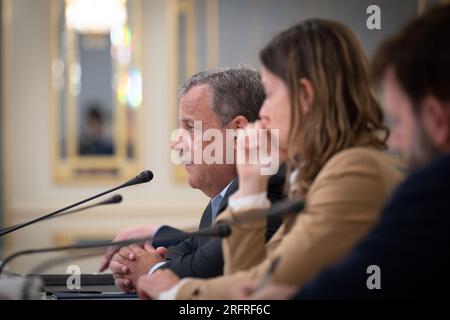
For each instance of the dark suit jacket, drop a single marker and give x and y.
(201, 257)
(410, 245)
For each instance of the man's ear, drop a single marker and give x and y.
(306, 94)
(239, 122)
(436, 121)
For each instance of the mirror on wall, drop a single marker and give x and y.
(96, 81)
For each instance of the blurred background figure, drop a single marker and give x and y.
(95, 139)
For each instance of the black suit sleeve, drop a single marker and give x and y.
(167, 236)
(189, 259)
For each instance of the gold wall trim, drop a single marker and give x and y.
(188, 8)
(6, 21)
(212, 33)
(72, 100)
(53, 115)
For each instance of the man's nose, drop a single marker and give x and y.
(179, 143)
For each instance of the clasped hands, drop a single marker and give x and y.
(131, 262)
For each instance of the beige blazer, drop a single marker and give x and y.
(342, 205)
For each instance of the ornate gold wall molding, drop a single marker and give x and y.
(6, 20)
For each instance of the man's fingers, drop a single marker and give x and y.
(124, 284)
(143, 295)
(248, 290)
(103, 265)
(148, 247)
(162, 251)
(117, 267)
(136, 248)
(107, 258)
(126, 253)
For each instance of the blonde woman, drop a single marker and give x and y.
(332, 137)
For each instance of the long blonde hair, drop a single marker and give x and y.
(345, 112)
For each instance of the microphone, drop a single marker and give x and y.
(143, 177)
(113, 200)
(220, 230)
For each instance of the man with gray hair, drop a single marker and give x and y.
(220, 99)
